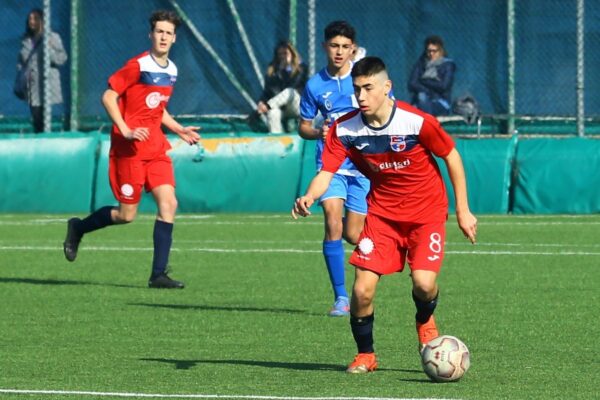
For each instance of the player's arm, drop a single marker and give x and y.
(306, 130)
(466, 220)
(334, 154)
(188, 134)
(317, 187)
(110, 100)
(309, 110)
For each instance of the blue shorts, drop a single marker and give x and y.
(353, 189)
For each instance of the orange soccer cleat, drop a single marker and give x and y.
(363, 363)
(426, 331)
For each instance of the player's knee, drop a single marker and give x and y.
(334, 227)
(125, 217)
(363, 295)
(172, 205)
(168, 207)
(425, 289)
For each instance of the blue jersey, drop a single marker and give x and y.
(332, 97)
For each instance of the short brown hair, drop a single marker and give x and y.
(368, 66)
(164, 15)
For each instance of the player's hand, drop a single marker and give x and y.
(468, 225)
(301, 207)
(139, 134)
(190, 135)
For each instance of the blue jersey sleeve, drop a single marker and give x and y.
(308, 104)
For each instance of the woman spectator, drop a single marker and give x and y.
(431, 79)
(284, 82)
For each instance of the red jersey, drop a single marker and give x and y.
(144, 89)
(406, 183)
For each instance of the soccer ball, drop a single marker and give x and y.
(445, 359)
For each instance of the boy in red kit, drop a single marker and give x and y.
(393, 143)
(136, 101)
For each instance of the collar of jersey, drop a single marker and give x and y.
(156, 62)
(389, 121)
(340, 77)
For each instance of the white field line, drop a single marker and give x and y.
(184, 216)
(269, 220)
(191, 396)
(319, 243)
(299, 251)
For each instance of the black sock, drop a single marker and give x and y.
(425, 309)
(362, 330)
(96, 220)
(163, 237)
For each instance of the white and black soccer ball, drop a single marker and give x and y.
(445, 359)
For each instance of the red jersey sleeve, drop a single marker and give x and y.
(334, 152)
(125, 77)
(434, 138)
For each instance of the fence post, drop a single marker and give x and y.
(511, 66)
(74, 119)
(293, 22)
(46, 95)
(580, 69)
(311, 37)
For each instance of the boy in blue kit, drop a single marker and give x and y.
(331, 94)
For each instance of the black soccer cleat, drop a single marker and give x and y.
(163, 281)
(71, 243)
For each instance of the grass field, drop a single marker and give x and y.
(252, 321)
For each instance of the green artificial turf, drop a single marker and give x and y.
(252, 319)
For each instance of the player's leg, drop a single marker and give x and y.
(126, 180)
(161, 183)
(333, 248)
(379, 252)
(333, 252)
(353, 226)
(426, 252)
(425, 297)
(356, 208)
(362, 319)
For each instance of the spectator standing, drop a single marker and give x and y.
(431, 79)
(30, 63)
(284, 81)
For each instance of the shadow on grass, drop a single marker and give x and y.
(61, 282)
(187, 364)
(220, 308)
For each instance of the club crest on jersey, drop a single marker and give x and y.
(397, 143)
(154, 99)
(328, 105)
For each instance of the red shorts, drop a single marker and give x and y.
(384, 246)
(128, 176)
